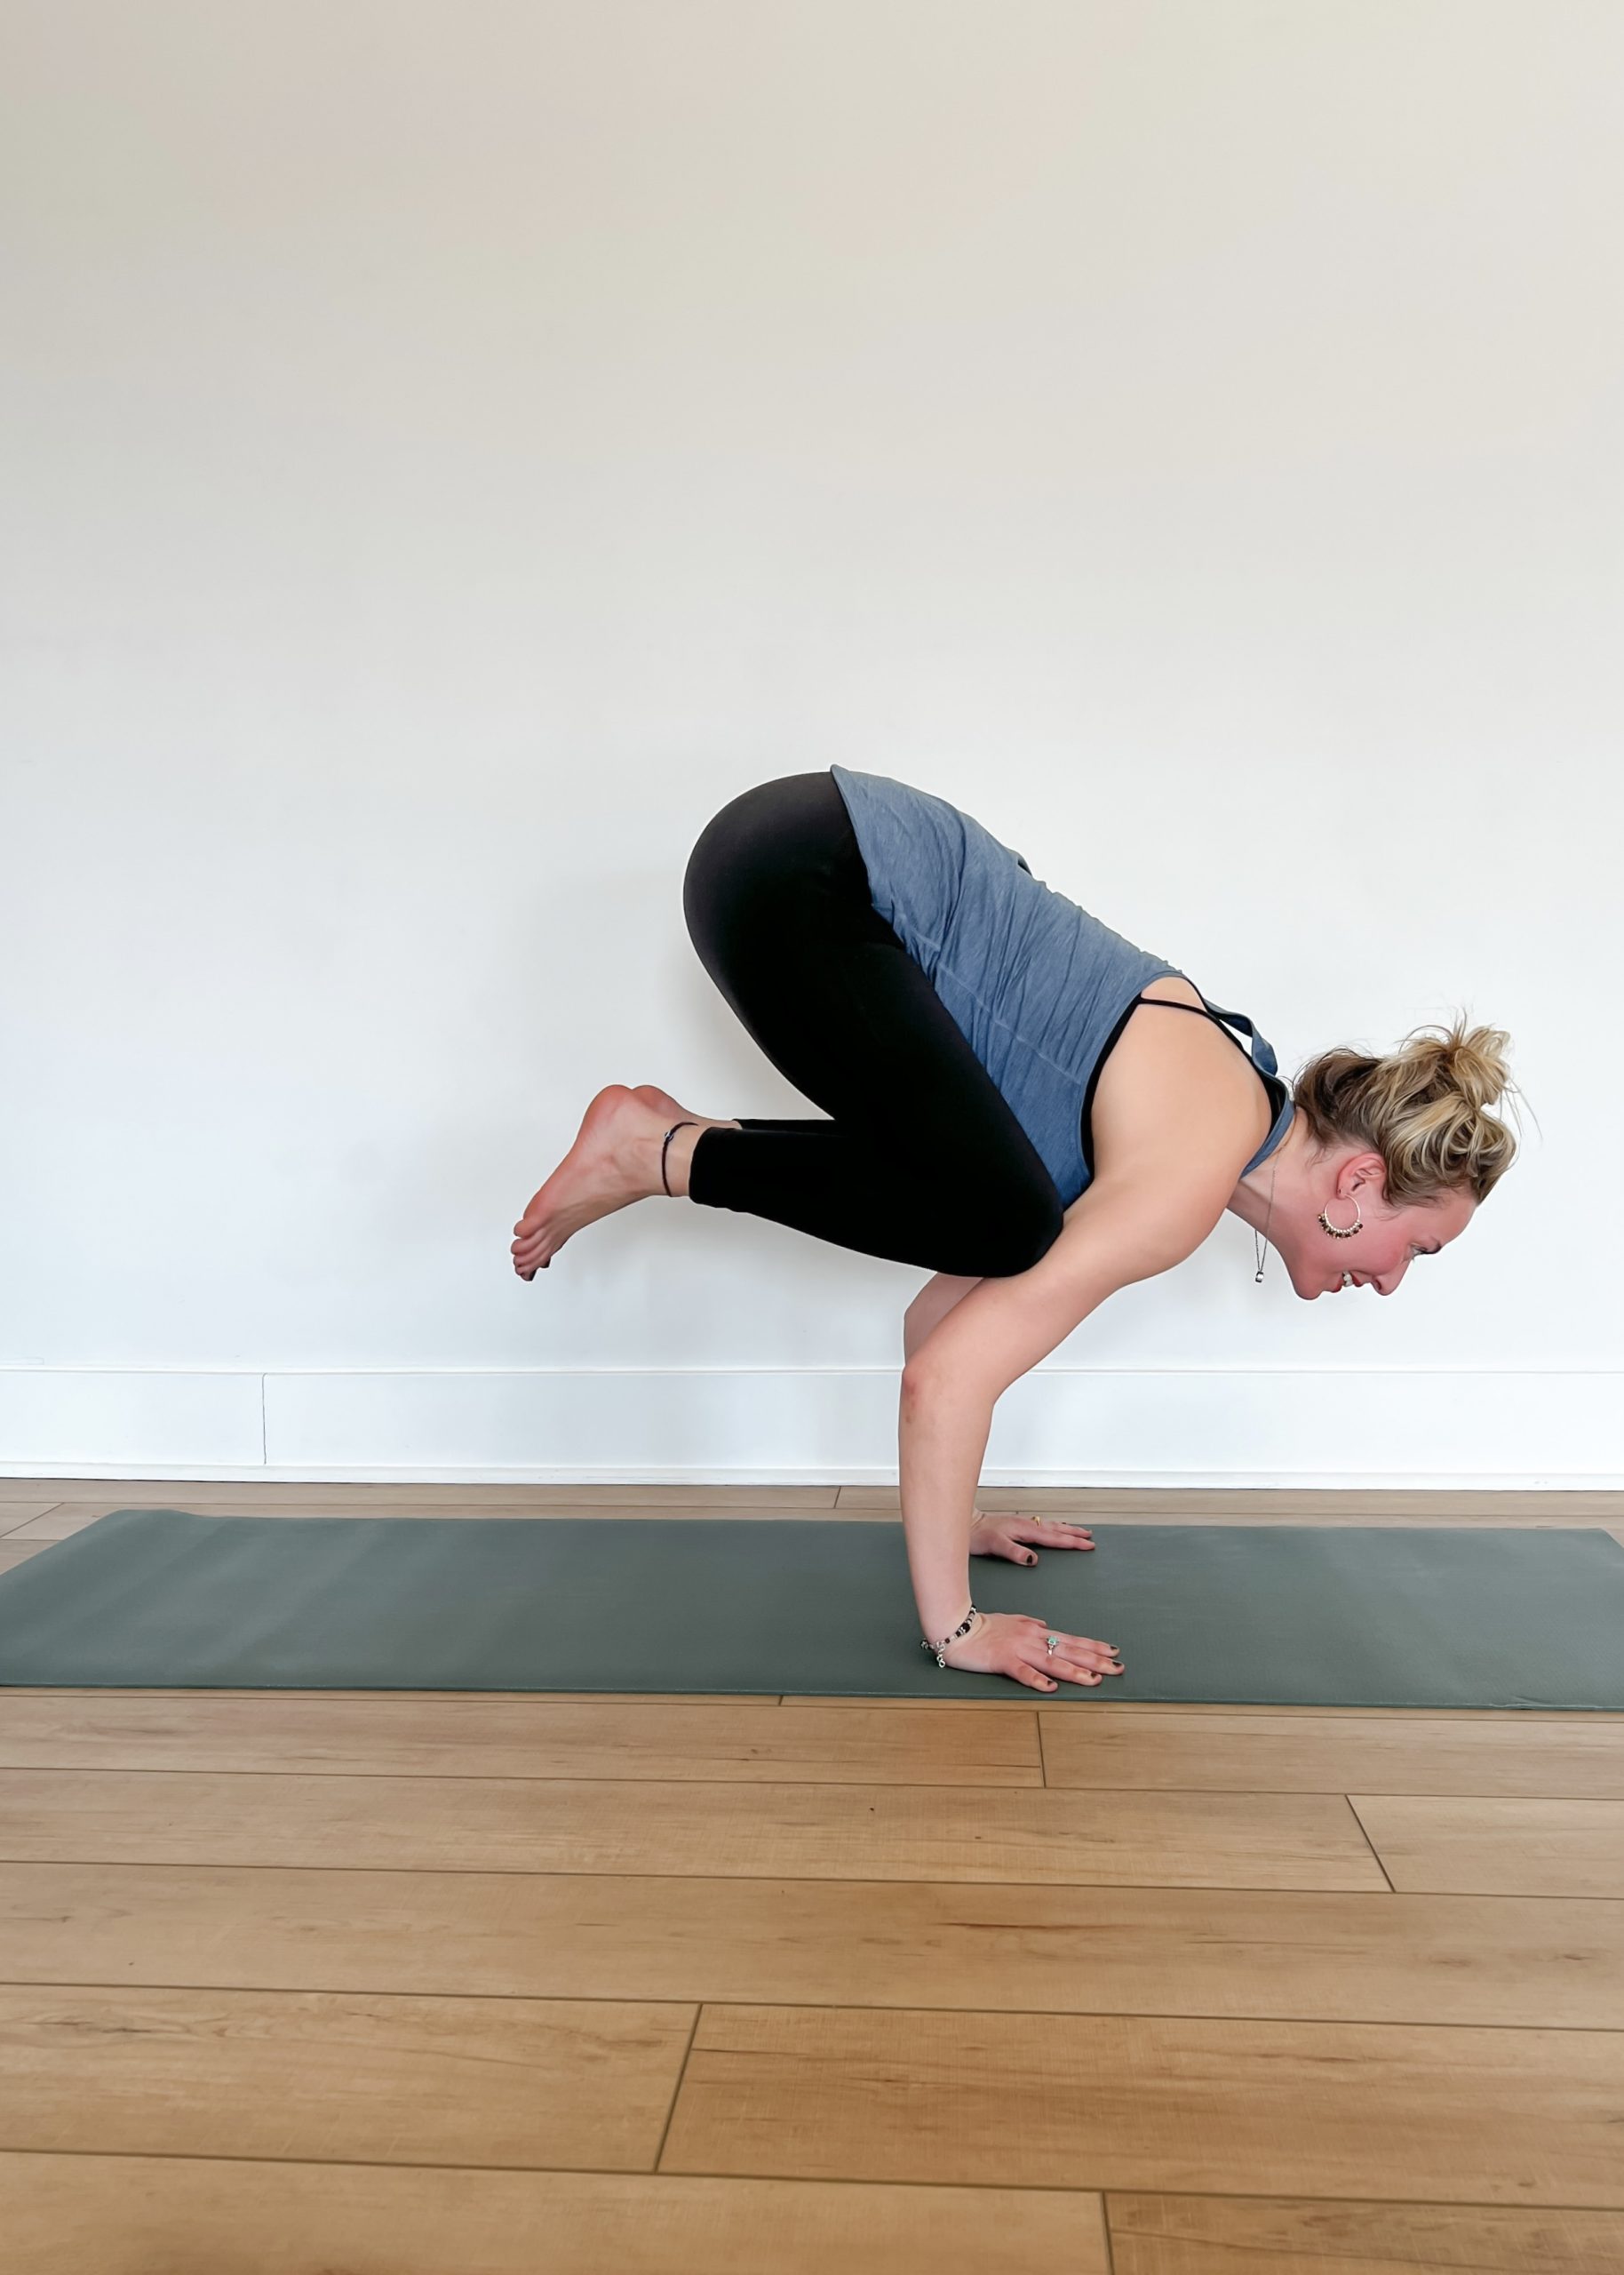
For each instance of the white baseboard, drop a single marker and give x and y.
(1287, 1428)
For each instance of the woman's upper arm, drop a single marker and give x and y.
(1120, 1230)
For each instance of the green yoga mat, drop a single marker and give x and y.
(1301, 1616)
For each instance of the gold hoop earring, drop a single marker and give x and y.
(1343, 1232)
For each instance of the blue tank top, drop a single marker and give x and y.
(1039, 989)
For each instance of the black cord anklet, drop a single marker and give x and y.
(670, 1134)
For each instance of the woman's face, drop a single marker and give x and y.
(1350, 1188)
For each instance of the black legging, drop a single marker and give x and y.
(924, 1161)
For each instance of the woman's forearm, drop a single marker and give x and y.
(941, 1437)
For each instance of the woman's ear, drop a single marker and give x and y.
(1365, 1172)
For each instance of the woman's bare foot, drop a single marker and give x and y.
(615, 1160)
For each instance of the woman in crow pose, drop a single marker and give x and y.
(1006, 1116)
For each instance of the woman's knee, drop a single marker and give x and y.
(730, 869)
(716, 873)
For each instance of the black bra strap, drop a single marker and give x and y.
(1205, 1011)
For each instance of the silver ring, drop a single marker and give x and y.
(1053, 1645)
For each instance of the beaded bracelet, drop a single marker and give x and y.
(964, 1628)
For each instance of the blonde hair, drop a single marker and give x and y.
(1424, 1108)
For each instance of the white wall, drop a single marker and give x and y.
(457, 447)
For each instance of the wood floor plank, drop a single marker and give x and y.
(66, 1516)
(60, 1523)
(338, 2076)
(10, 1557)
(882, 1832)
(1200, 1952)
(528, 1737)
(1240, 2108)
(1198, 2235)
(1285, 1505)
(1496, 1847)
(1161, 1504)
(115, 2216)
(14, 1515)
(1129, 1504)
(1299, 1753)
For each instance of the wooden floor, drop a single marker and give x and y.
(428, 1983)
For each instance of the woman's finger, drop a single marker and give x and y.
(1033, 1535)
(1066, 1668)
(1076, 1652)
(1100, 1669)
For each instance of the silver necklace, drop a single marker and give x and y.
(1260, 1241)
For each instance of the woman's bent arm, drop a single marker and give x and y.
(1115, 1233)
(942, 1439)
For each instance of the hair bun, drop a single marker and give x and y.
(1470, 1059)
(1424, 1108)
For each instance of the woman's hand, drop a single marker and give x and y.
(1007, 1642)
(1004, 1534)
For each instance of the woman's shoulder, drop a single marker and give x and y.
(1177, 1089)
